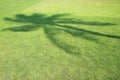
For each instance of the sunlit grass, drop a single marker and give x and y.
(59, 40)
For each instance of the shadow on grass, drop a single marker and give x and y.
(55, 23)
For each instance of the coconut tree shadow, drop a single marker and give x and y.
(55, 23)
(51, 33)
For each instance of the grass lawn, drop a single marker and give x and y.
(59, 40)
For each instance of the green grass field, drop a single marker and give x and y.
(60, 40)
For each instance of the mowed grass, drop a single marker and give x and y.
(60, 40)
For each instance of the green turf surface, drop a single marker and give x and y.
(59, 40)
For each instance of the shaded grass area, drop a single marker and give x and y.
(51, 24)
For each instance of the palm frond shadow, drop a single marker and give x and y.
(52, 25)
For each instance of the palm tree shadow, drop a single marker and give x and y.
(68, 48)
(55, 23)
